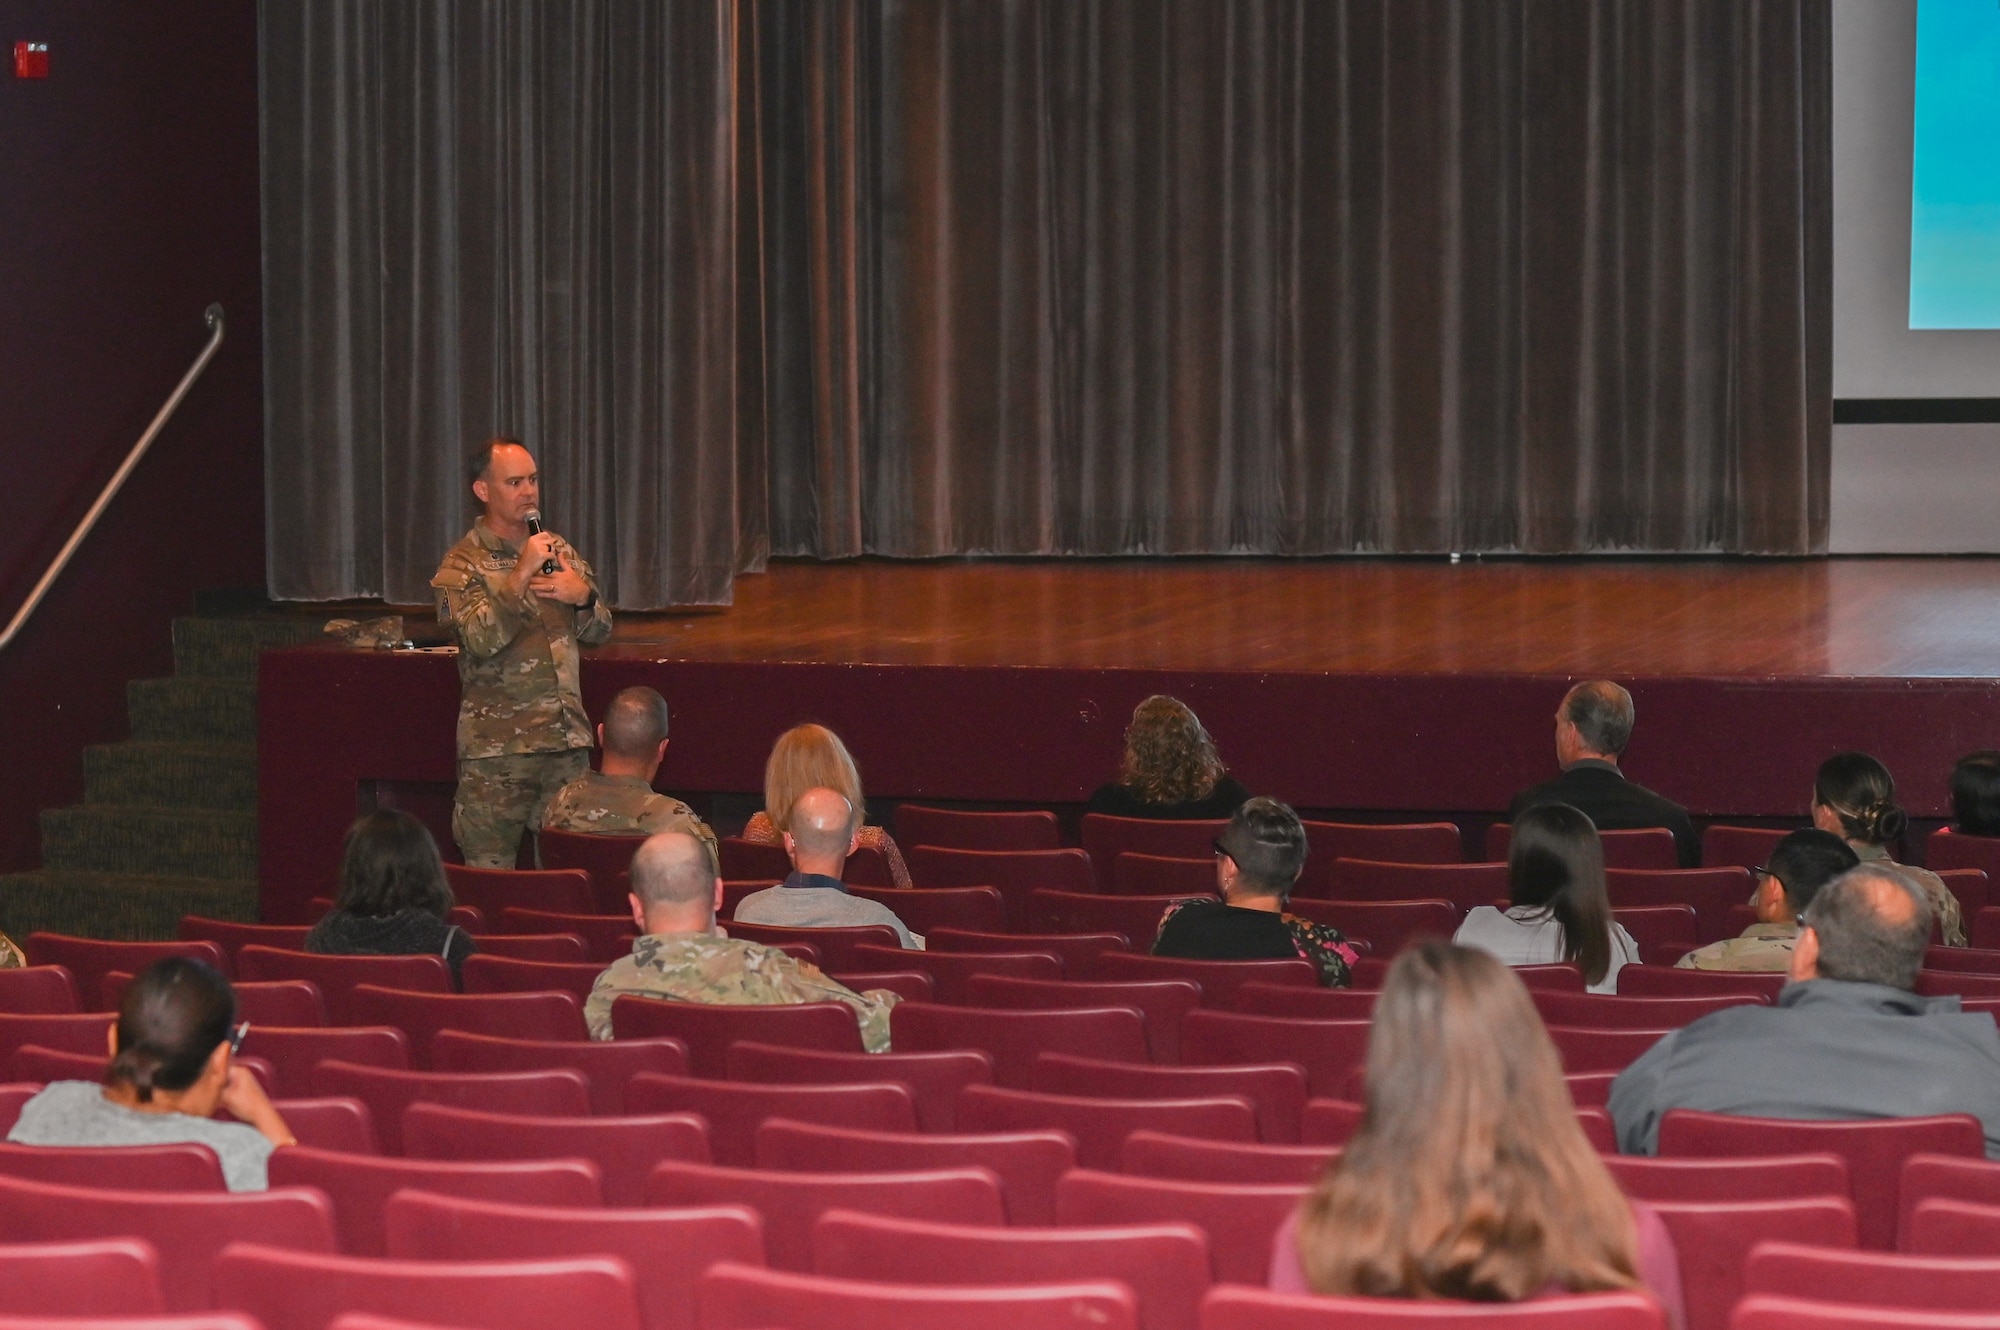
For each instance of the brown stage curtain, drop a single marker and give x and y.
(928, 277)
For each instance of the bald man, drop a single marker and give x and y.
(1593, 725)
(1848, 1037)
(824, 832)
(680, 955)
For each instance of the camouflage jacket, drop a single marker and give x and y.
(517, 656)
(1763, 949)
(708, 967)
(597, 804)
(10, 954)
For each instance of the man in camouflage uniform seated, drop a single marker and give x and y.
(522, 731)
(618, 799)
(681, 956)
(1798, 866)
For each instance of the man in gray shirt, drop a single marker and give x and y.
(821, 836)
(1848, 1038)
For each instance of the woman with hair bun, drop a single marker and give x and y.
(1170, 770)
(172, 1066)
(1854, 797)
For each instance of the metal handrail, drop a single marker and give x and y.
(213, 316)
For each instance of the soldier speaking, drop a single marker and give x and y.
(520, 601)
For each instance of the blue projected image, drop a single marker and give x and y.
(1955, 203)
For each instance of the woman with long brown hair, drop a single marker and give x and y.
(812, 757)
(1558, 908)
(1170, 769)
(1470, 1177)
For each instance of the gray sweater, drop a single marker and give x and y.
(809, 900)
(1828, 1050)
(77, 1113)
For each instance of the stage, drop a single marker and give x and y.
(1365, 688)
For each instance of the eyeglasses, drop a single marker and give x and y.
(236, 1038)
(1221, 849)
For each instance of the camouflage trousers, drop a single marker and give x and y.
(499, 797)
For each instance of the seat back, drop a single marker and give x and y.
(1776, 1178)
(1386, 842)
(927, 910)
(546, 1015)
(624, 1148)
(1219, 980)
(1671, 981)
(1277, 1091)
(1969, 886)
(1155, 1154)
(1711, 1237)
(1658, 926)
(359, 1185)
(934, 1079)
(606, 858)
(1466, 886)
(1599, 1048)
(1330, 1122)
(186, 1229)
(286, 1290)
(666, 1249)
(180, 1167)
(1161, 875)
(1254, 1309)
(606, 937)
(1164, 1003)
(1136, 917)
(1165, 1265)
(491, 890)
(555, 1093)
(1940, 1227)
(1100, 1125)
(1740, 847)
(69, 1032)
(546, 948)
(1639, 847)
(1331, 1051)
(1711, 892)
(708, 1029)
(1939, 983)
(38, 990)
(744, 860)
(1077, 951)
(1241, 1219)
(337, 977)
(484, 973)
(1028, 1163)
(232, 937)
(741, 1297)
(1934, 1283)
(835, 945)
(95, 1278)
(735, 1109)
(1105, 837)
(1874, 1151)
(1014, 1038)
(1326, 1004)
(949, 970)
(791, 1203)
(1945, 1177)
(1596, 1011)
(1012, 873)
(89, 959)
(1385, 925)
(291, 1003)
(955, 829)
(294, 1052)
(608, 1065)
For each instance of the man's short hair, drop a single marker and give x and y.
(1268, 843)
(480, 457)
(1862, 943)
(1602, 713)
(635, 722)
(1807, 860)
(673, 868)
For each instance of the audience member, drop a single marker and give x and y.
(680, 956)
(1170, 770)
(808, 757)
(171, 1069)
(1593, 726)
(393, 896)
(1558, 908)
(618, 799)
(1257, 860)
(822, 835)
(1470, 1177)
(1854, 797)
(1975, 794)
(1848, 1037)
(1798, 867)
(11, 955)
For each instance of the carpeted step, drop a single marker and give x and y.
(192, 711)
(107, 905)
(158, 775)
(151, 842)
(227, 648)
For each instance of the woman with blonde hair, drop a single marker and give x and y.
(1469, 1177)
(812, 757)
(1170, 770)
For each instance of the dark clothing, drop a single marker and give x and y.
(1203, 929)
(1116, 800)
(406, 933)
(1828, 1050)
(1601, 792)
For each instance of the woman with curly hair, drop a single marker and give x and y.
(1171, 770)
(1470, 1177)
(1854, 797)
(812, 757)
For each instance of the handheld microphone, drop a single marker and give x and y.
(549, 566)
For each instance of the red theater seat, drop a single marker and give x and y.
(1969, 885)
(744, 860)
(1586, 1050)
(1956, 1177)
(1939, 1227)
(1711, 1238)
(556, 1093)
(1276, 1090)
(1930, 1283)
(1014, 1038)
(186, 1229)
(1324, 1004)
(953, 829)
(1101, 1125)
(735, 1109)
(491, 890)
(1254, 1309)
(606, 937)
(1077, 951)
(625, 1149)
(1638, 847)
(332, 1123)
(291, 1003)
(1163, 1003)
(1385, 925)
(835, 945)
(359, 1185)
(1739, 847)
(1596, 1011)
(1762, 1311)
(791, 1203)
(1466, 886)
(1660, 927)
(1219, 980)
(95, 1279)
(69, 1032)
(1106, 837)
(1671, 981)
(1012, 873)
(1330, 1051)
(484, 974)
(1330, 1122)
(89, 959)
(738, 1297)
(1135, 917)
(926, 910)
(666, 1249)
(546, 948)
(1713, 893)
(607, 859)
(608, 1066)
(132, 1167)
(949, 971)
(38, 990)
(1240, 1220)
(1941, 983)
(934, 1079)
(547, 1016)
(1386, 842)
(1165, 1265)
(1027, 1163)
(1777, 1178)
(708, 1029)
(12, 1096)
(294, 1053)
(337, 977)
(305, 1291)
(1154, 1154)
(1162, 875)
(232, 937)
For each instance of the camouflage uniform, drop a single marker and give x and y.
(1763, 949)
(522, 731)
(708, 967)
(601, 805)
(10, 954)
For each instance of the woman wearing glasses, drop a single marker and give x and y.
(172, 1066)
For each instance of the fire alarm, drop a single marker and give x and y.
(31, 60)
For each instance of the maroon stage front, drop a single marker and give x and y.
(1357, 688)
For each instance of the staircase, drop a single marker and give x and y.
(168, 825)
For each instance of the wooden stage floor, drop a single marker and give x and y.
(1793, 618)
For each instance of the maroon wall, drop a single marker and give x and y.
(128, 202)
